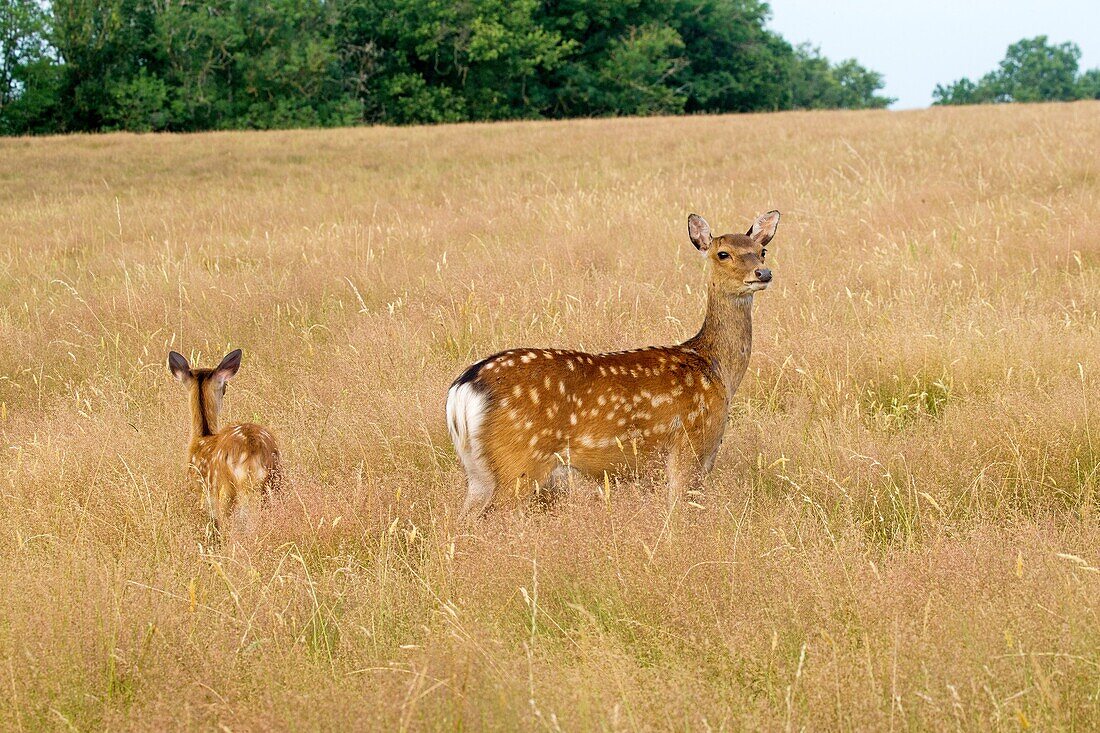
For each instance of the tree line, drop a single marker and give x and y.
(1033, 70)
(185, 65)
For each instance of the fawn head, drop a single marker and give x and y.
(206, 386)
(736, 260)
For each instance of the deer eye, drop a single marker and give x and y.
(723, 255)
(763, 253)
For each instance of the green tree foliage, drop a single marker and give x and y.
(83, 65)
(28, 69)
(735, 64)
(634, 79)
(1033, 70)
(105, 45)
(817, 84)
(1088, 86)
(439, 61)
(192, 65)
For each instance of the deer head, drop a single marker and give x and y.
(206, 387)
(736, 260)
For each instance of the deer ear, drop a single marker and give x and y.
(763, 229)
(699, 232)
(229, 366)
(179, 367)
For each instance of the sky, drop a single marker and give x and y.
(917, 44)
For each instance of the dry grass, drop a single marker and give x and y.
(901, 531)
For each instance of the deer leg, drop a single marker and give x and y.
(482, 489)
(226, 502)
(710, 458)
(212, 530)
(247, 511)
(515, 479)
(685, 472)
(556, 485)
(479, 494)
(273, 483)
(538, 481)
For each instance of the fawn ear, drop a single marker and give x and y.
(229, 366)
(179, 367)
(699, 232)
(763, 229)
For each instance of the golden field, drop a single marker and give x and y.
(902, 531)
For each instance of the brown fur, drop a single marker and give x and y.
(597, 413)
(236, 468)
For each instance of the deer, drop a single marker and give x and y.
(525, 418)
(238, 467)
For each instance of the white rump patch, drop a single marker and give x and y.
(465, 414)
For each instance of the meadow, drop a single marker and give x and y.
(902, 531)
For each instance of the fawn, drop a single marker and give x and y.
(236, 467)
(523, 416)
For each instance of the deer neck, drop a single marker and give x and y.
(726, 336)
(204, 418)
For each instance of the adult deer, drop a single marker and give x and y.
(523, 416)
(236, 467)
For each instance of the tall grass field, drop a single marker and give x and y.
(902, 530)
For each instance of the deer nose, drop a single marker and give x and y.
(764, 275)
